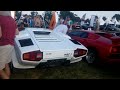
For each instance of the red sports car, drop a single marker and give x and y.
(103, 47)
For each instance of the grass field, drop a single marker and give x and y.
(79, 70)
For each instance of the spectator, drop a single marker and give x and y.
(31, 22)
(25, 21)
(69, 23)
(97, 26)
(21, 27)
(47, 21)
(38, 22)
(8, 29)
(42, 22)
(61, 28)
(61, 20)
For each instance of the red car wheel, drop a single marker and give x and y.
(91, 56)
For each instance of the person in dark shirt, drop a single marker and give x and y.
(25, 21)
(8, 29)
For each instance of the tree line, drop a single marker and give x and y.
(64, 14)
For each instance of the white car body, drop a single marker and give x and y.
(53, 46)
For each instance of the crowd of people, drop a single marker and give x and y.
(29, 21)
(40, 22)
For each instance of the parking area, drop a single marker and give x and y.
(80, 70)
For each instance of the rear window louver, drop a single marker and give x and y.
(47, 40)
(25, 42)
(41, 33)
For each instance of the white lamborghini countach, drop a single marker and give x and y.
(44, 47)
(40, 46)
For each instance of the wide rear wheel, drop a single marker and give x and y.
(91, 56)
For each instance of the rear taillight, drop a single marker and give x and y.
(79, 52)
(115, 50)
(33, 56)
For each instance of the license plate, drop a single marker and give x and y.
(56, 62)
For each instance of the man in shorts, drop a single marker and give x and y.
(8, 29)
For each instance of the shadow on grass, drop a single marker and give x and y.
(80, 70)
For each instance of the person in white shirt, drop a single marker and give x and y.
(61, 28)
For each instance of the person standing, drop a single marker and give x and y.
(97, 26)
(37, 22)
(31, 22)
(25, 21)
(69, 23)
(8, 29)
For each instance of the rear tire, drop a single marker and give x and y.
(92, 57)
(12, 69)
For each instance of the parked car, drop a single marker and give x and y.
(85, 26)
(111, 27)
(116, 34)
(102, 47)
(42, 47)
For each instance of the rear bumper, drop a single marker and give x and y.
(59, 63)
(111, 60)
(48, 63)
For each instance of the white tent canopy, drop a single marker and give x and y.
(13, 14)
(102, 22)
(108, 21)
(119, 21)
(115, 21)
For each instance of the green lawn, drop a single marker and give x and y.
(79, 70)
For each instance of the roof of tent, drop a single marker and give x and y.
(102, 22)
(13, 14)
(116, 21)
(109, 21)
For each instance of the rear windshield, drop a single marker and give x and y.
(41, 33)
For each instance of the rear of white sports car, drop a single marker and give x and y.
(41, 47)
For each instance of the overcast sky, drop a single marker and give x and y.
(108, 14)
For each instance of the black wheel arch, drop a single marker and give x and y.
(93, 48)
(97, 54)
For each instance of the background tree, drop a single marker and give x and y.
(117, 16)
(104, 18)
(18, 14)
(34, 13)
(73, 16)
